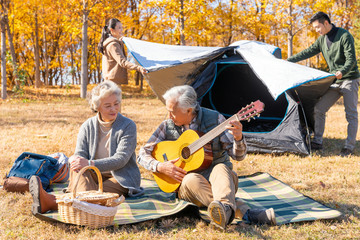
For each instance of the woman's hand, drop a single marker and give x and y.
(77, 163)
(168, 168)
(143, 71)
(235, 128)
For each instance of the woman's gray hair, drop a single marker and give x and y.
(185, 97)
(104, 89)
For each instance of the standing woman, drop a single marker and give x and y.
(114, 62)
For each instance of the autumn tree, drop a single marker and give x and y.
(3, 53)
(357, 29)
(180, 22)
(54, 42)
(293, 16)
(228, 21)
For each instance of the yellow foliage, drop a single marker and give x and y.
(201, 23)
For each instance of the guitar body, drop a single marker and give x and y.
(194, 153)
(173, 150)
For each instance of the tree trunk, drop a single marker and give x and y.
(182, 23)
(72, 71)
(141, 82)
(12, 51)
(37, 57)
(46, 80)
(230, 16)
(84, 67)
(5, 9)
(61, 74)
(136, 22)
(3, 59)
(290, 44)
(290, 32)
(137, 78)
(97, 57)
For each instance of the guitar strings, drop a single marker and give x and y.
(219, 129)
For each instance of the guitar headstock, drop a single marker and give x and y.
(251, 110)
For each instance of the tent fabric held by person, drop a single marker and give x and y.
(228, 78)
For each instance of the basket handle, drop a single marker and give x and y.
(98, 173)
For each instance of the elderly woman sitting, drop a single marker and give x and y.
(106, 141)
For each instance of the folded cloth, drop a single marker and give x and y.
(91, 208)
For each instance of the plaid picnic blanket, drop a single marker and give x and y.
(259, 190)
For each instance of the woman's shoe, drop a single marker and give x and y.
(42, 201)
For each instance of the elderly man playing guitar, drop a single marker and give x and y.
(177, 158)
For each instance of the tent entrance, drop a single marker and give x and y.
(234, 86)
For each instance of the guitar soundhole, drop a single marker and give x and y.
(185, 153)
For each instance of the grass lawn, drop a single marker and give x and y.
(47, 120)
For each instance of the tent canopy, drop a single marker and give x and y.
(180, 64)
(226, 79)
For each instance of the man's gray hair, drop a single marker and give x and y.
(103, 90)
(185, 97)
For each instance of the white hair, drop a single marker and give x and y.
(185, 97)
(104, 89)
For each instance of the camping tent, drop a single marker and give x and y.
(226, 79)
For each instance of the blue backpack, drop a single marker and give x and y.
(28, 164)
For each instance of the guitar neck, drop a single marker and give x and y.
(213, 133)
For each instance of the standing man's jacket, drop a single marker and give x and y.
(339, 57)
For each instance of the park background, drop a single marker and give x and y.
(44, 107)
(54, 42)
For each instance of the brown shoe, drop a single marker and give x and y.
(220, 214)
(316, 146)
(345, 152)
(260, 216)
(42, 201)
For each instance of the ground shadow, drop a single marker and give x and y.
(333, 146)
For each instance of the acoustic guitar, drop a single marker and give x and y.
(189, 147)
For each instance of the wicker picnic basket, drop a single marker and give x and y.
(90, 208)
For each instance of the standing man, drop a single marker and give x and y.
(337, 46)
(216, 186)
